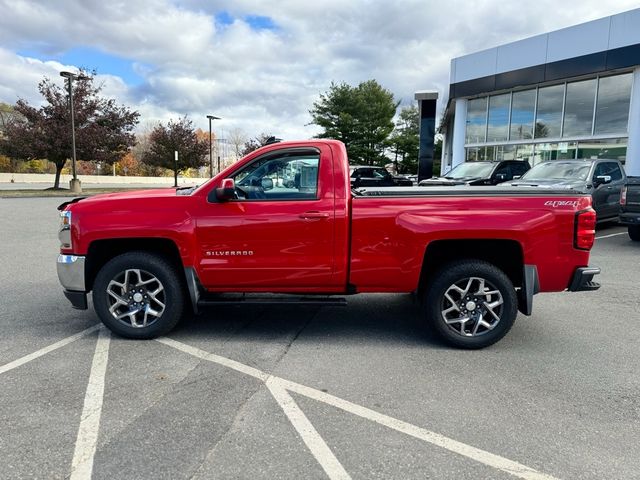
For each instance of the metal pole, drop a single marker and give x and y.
(73, 130)
(175, 172)
(212, 117)
(210, 150)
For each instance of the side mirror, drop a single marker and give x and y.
(516, 177)
(266, 183)
(226, 191)
(602, 180)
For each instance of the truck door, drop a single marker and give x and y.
(607, 196)
(279, 231)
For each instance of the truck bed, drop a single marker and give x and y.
(462, 191)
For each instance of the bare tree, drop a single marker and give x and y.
(237, 138)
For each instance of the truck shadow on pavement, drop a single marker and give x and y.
(388, 319)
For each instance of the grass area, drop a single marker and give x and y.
(63, 192)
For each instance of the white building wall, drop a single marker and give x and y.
(459, 129)
(592, 37)
(632, 164)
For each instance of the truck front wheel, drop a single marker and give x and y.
(471, 304)
(138, 295)
(634, 232)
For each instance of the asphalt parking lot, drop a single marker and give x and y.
(360, 392)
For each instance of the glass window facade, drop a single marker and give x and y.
(578, 109)
(523, 107)
(498, 126)
(612, 110)
(578, 119)
(476, 120)
(549, 112)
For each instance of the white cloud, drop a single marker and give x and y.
(265, 80)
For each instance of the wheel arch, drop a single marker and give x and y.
(102, 251)
(507, 255)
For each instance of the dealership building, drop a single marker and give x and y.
(571, 93)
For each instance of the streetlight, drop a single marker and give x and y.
(211, 117)
(74, 184)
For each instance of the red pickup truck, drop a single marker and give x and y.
(283, 225)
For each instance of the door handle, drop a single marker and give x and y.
(314, 215)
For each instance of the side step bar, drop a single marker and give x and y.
(257, 299)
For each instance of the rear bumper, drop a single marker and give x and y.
(583, 279)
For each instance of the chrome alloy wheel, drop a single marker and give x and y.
(136, 298)
(472, 307)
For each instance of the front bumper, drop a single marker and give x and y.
(71, 275)
(583, 279)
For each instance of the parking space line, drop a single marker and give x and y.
(611, 235)
(482, 456)
(320, 450)
(212, 357)
(43, 351)
(87, 439)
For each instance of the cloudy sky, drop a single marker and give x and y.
(260, 65)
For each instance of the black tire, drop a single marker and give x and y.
(634, 232)
(475, 320)
(158, 289)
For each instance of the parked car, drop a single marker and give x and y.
(601, 178)
(629, 214)
(413, 179)
(366, 176)
(480, 173)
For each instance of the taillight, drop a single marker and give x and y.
(623, 196)
(585, 232)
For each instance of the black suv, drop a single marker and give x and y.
(480, 173)
(601, 178)
(363, 176)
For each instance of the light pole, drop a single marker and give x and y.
(211, 117)
(74, 184)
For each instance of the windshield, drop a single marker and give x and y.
(470, 169)
(558, 171)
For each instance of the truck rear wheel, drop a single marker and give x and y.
(471, 304)
(634, 232)
(138, 295)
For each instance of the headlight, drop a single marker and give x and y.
(65, 229)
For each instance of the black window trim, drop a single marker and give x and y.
(289, 151)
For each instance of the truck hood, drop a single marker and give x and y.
(120, 198)
(443, 181)
(579, 186)
(135, 194)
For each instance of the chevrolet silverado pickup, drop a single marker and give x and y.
(473, 256)
(629, 213)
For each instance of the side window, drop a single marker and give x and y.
(519, 168)
(282, 176)
(608, 168)
(380, 173)
(364, 172)
(599, 170)
(614, 171)
(504, 170)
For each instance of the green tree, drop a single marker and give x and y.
(361, 117)
(255, 143)
(104, 129)
(405, 140)
(179, 137)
